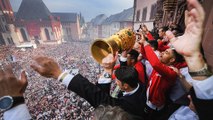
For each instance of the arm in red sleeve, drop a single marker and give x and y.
(162, 46)
(149, 36)
(141, 73)
(161, 68)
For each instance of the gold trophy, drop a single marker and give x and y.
(120, 41)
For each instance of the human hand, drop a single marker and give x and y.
(189, 43)
(187, 86)
(108, 62)
(10, 85)
(176, 70)
(141, 36)
(124, 54)
(47, 67)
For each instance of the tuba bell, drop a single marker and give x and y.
(120, 41)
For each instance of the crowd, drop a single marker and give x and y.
(47, 99)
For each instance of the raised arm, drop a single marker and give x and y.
(161, 68)
(47, 67)
(189, 43)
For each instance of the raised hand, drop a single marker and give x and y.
(191, 104)
(109, 62)
(189, 43)
(124, 53)
(10, 85)
(47, 67)
(141, 36)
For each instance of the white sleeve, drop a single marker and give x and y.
(184, 113)
(103, 80)
(123, 59)
(66, 78)
(204, 89)
(149, 68)
(19, 112)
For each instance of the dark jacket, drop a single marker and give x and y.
(133, 104)
(204, 108)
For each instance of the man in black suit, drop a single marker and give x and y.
(126, 79)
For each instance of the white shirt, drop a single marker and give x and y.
(19, 112)
(204, 89)
(131, 92)
(184, 113)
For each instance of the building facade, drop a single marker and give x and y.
(116, 22)
(70, 25)
(7, 29)
(158, 13)
(5, 37)
(95, 28)
(144, 13)
(34, 22)
(103, 27)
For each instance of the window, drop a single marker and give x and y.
(1, 28)
(70, 31)
(138, 15)
(4, 4)
(153, 11)
(2, 25)
(144, 14)
(36, 37)
(11, 39)
(8, 40)
(6, 28)
(3, 19)
(67, 29)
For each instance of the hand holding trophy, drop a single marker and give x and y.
(120, 41)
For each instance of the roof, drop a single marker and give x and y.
(66, 17)
(110, 19)
(33, 10)
(126, 15)
(98, 19)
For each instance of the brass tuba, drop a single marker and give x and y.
(120, 41)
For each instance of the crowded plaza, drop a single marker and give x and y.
(47, 95)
